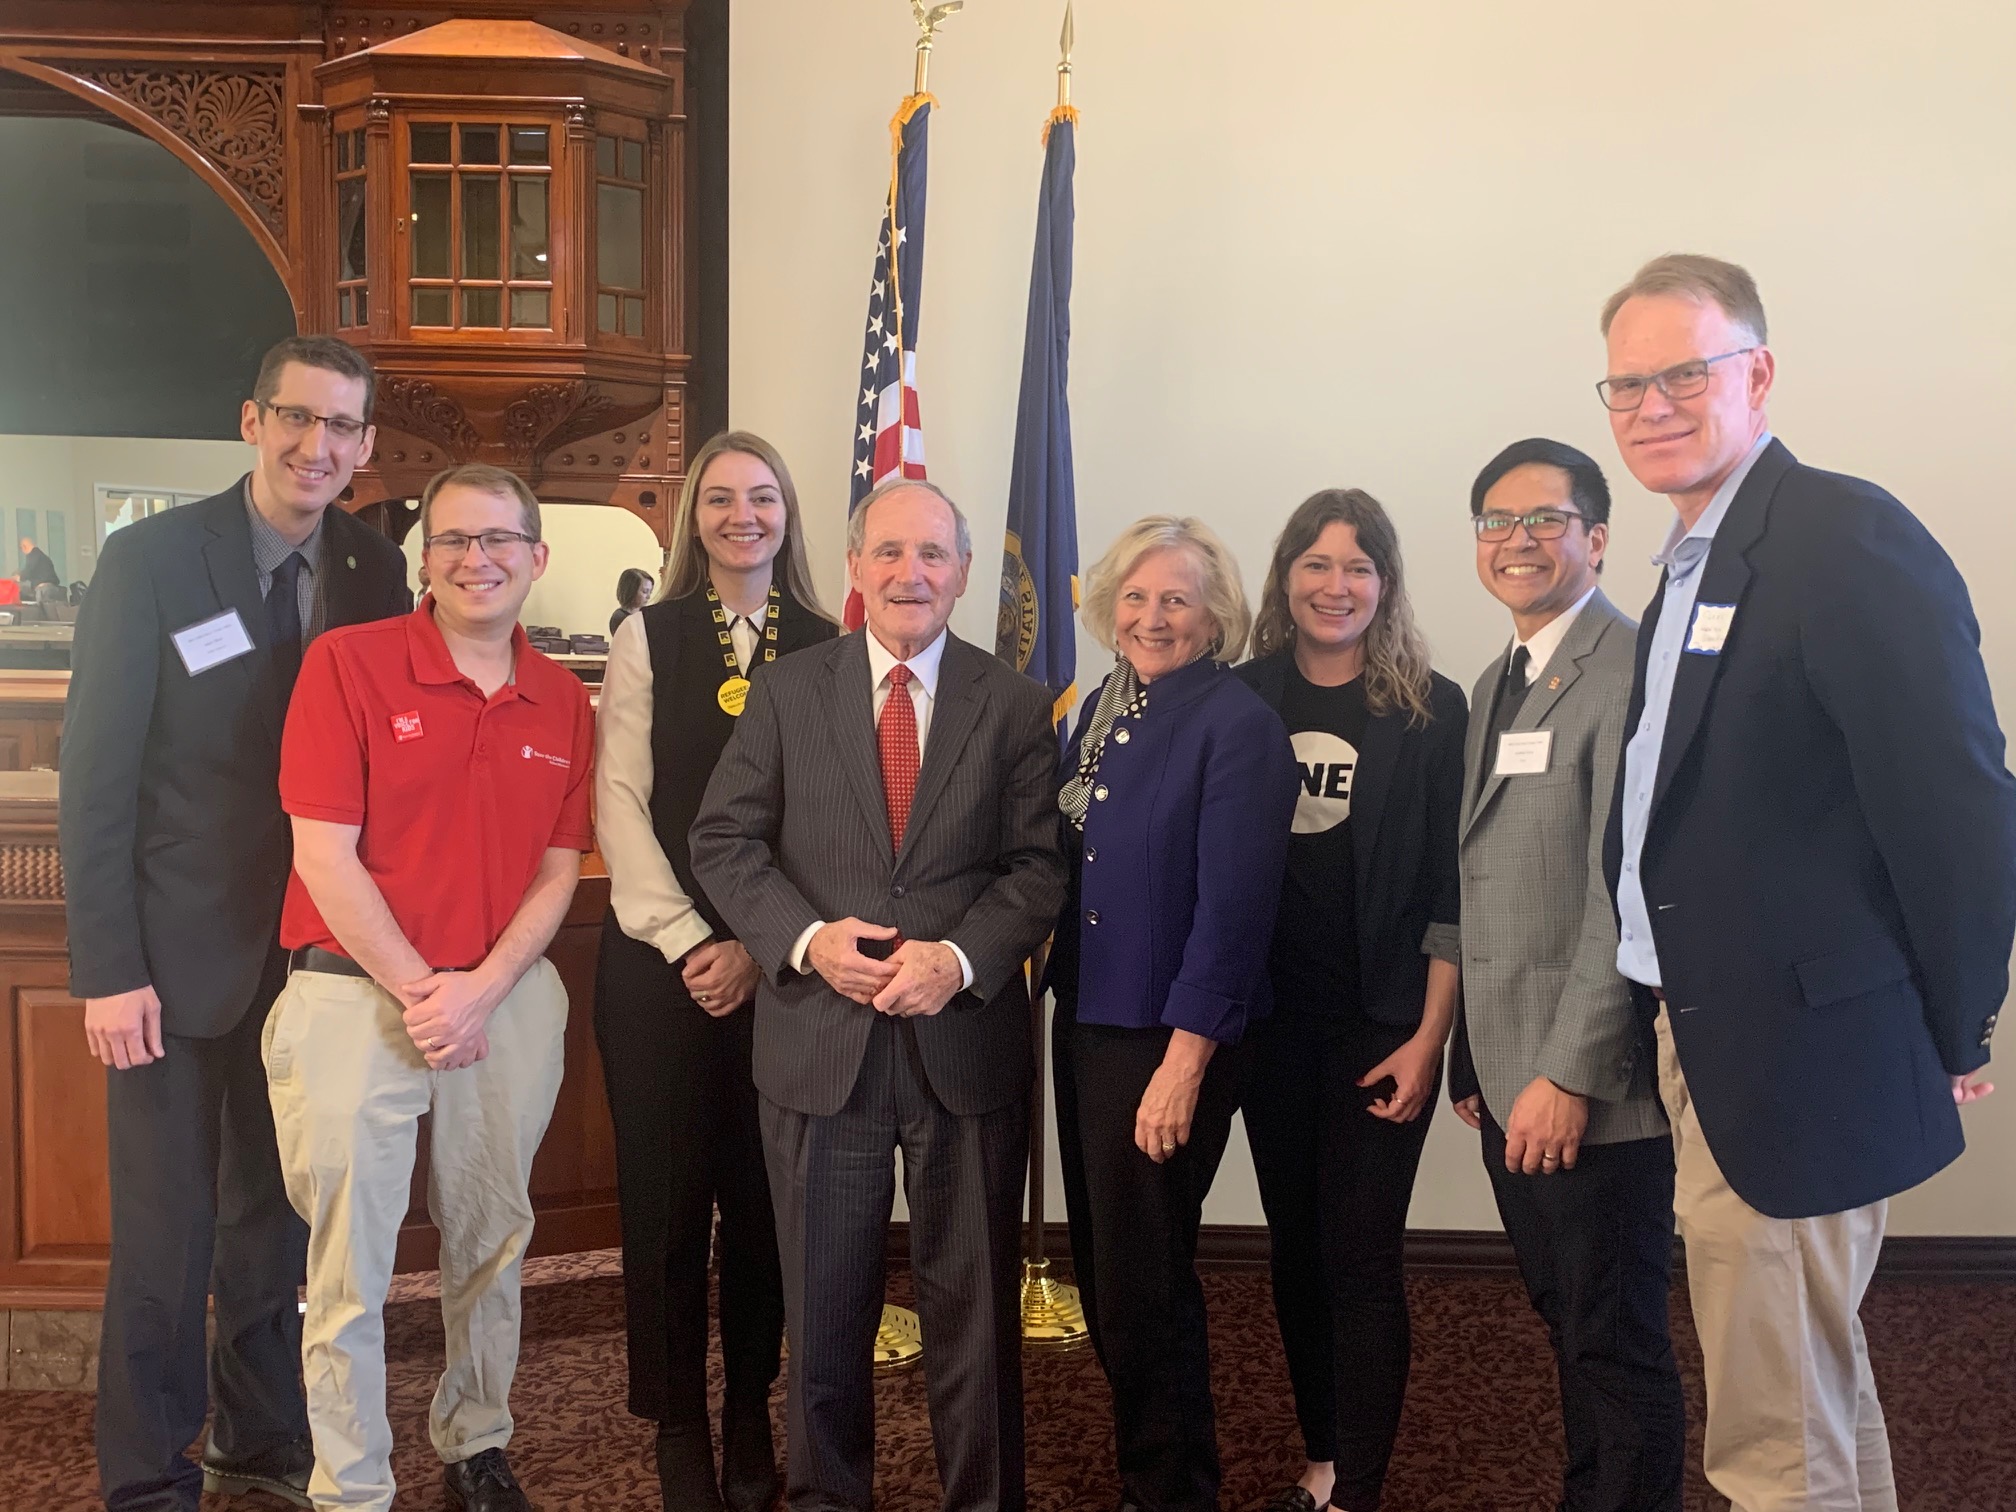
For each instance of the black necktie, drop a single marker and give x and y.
(283, 620)
(1511, 692)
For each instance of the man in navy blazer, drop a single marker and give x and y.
(1813, 852)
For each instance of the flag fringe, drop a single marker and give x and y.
(1061, 113)
(910, 106)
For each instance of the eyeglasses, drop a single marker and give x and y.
(1681, 381)
(495, 543)
(296, 421)
(1542, 524)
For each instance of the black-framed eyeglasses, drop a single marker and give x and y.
(1541, 524)
(296, 421)
(1683, 380)
(495, 543)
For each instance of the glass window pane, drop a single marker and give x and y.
(528, 228)
(605, 156)
(480, 307)
(480, 252)
(357, 148)
(619, 236)
(350, 229)
(342, 152)
(430, 143)
(479, 144)
(605, 312)
(363, 307)
(431, 307)
(531, 307)
(633, 161)
(633, 317)
(430, 225)
(343, 308)
(528, 144)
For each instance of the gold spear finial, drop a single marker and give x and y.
(1064, 67)
(929, 19)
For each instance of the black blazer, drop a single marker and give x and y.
(1406, 798)
(1830, 866)
(794, 829)
(175, 851)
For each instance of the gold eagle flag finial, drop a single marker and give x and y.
(929, 19)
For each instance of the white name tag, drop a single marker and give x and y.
(1710, 628)
(212, 642)
(1523, 753)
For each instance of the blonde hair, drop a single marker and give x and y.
(1706, 280)
(1218, 574)
(686, 559)
(1397, 675)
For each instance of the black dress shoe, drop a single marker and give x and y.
(749, 1479)
(686, 1469)
(484, 1483)
(281, 1472)
(1294, 1499)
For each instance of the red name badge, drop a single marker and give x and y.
(406, 727)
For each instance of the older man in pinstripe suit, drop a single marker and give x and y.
(882, 834)
(1547, 1065)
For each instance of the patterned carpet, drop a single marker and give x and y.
(1482, 1430)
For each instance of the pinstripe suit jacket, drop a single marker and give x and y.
(795, 830)
(1541, 991)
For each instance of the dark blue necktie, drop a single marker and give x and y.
(283, 621)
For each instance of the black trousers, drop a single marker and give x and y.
(687, 1141)
(834, 1180)
(1595, 1247)
(199, 1210)
(1336, 1182)
(1134, 1251)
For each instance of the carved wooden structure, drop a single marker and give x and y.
(544, 323)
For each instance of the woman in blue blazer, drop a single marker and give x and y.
(1364, 974)
(1177, 795)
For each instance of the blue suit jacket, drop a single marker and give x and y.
(1831, 860)
(1173, 914)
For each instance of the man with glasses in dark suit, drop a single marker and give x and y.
(175, 860)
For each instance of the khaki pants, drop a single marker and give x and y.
(348, 1088)
(1793, 1421)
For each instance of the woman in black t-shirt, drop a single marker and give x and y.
(1364, 970)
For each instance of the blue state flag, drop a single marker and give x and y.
(1035, 632)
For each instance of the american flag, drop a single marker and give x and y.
(888, 436)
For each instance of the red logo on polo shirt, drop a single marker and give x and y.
(532, 755)
(406, 727)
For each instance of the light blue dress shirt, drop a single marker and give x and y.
(1681, 557)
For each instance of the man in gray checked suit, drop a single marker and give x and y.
(1546, 1063)
(881, 833)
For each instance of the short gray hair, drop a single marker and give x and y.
(1217, 572)
(1707, 280)
(857, 520)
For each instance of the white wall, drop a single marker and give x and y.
(63, 472)
(1329, 242)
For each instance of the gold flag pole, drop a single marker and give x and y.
(1053, 1314)
(899, 1341)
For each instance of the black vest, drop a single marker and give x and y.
(689, 729)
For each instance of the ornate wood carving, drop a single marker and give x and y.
(419, 408)
(549, 416)
(230, 115)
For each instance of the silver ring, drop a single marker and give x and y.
(1550, 1160)
(700, 997)
(433, 1043)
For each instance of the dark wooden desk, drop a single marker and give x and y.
(54, 1215)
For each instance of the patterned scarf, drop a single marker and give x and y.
(1122, 694)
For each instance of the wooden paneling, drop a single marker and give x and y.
(61, 1100)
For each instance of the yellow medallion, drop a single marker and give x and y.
(732, 694)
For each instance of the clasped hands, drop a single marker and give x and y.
(445, 1013)
(917, 980)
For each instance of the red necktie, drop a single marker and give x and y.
(896, 735)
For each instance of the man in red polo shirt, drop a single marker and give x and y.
(437, 771)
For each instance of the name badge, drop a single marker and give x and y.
(212, 642)
(1710, 628)
(1523, 753)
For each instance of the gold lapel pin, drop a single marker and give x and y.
(1552, 682)
(350, 561)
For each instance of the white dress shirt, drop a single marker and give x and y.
(1547, 639)
(643, 889)
(923, 698)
